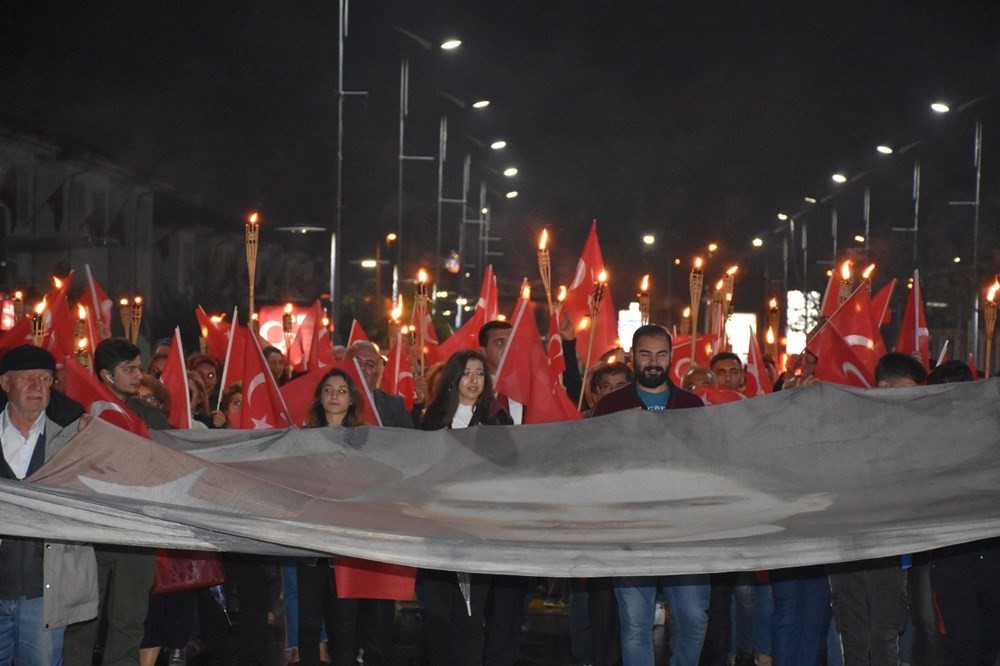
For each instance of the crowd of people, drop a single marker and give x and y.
(66, 603)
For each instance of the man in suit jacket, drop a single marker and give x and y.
(390, 407)
(44, 585)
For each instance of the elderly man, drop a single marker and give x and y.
(44, 585)
(390, 407)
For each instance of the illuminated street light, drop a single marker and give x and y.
(512, 194)
(712, 247)
(451, 44)
(957, 260)
(481, 104)
(782, 217)
(510, 171)
(649, 239)
(885, 150)
(677, 262)
(498, 145)
(940, 107)
(757, 242)
(485, 210)
(859, 239)
(368, 263)
(839, 178)
(810, 200)
(390, 237)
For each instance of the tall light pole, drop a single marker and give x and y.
(338, 219)
(404, 110)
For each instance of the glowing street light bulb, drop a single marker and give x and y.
(499, 144)
(782, 217)
(649, 239)
(712, 247)
(940, 107)
(451, 44)
(512, 194)
(757, 242)
(510, 171)
(839, 178)
(885, 150)
(369, 263)
(859, 239)
(481, 104)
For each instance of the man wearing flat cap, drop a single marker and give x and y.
(44, 585)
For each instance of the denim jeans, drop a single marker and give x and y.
(801, 615)
(688, 598)
(23, 638)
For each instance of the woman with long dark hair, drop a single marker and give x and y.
(350, 623)
(454, 601)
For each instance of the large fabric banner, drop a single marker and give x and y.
(806, 476)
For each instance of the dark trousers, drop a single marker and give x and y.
(124, 578)
(316, 596)
(453, 636)
(504, 617)
(801, 617)
(869, 606)
(928, 648)
(248, 580)
(719, 634)
(605, 627)
(966, 580)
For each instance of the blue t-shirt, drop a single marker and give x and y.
(654, 401)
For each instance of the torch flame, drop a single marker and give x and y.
(422, 276)
(845, 270)
(18, 296)
(769, 336)
(123, 302)
(697, 263)
(584, 324)
(253, 217)
(40, 308)
(397, 311)
(645, 283)
(204, 331)
(603, 277)
(562, 293)
(137, 300)
(57, 282)
(718, 285)
(773, 304)
(687, 312)
(216, 318)
(326, 322)
(81, 311)
(544, 239)
(255, 316)
(82, 344)
(526, 292)
(732, 270)
(991, 294)
(868, 272)
(288, 308)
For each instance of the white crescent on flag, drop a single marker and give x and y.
(254, 385)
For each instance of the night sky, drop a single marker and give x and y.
(697, 121)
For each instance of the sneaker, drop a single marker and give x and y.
(177, 658)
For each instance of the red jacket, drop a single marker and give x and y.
(627, 398)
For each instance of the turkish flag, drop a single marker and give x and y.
(524, 375)
(578, 298)
(364, 579)
(831, 297)
(263, 406)
(216, 334)
(175, 379)
(467, 336)
(681, 358)
(357, 333)
(757, 380)
(397, 378)
(312, 347)
(431, 344)
(717, 396)
(913, 333)
(881, 314)
(60, 325)
(298, 394)
(554, 348)
(99, 307)
(84, 387)
(849, 345)
(19, 334)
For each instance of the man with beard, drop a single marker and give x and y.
(687, 595)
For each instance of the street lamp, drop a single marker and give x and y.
(884, 149)
(481, 104)
(782, 216)
(940, 107)
(839, 178)
(499, 144)
(512, 194)
(757, 242)
(451, 44)
(510, 172)
(649, 239)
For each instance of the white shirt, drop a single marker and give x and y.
(18, 449)
(463, 416)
